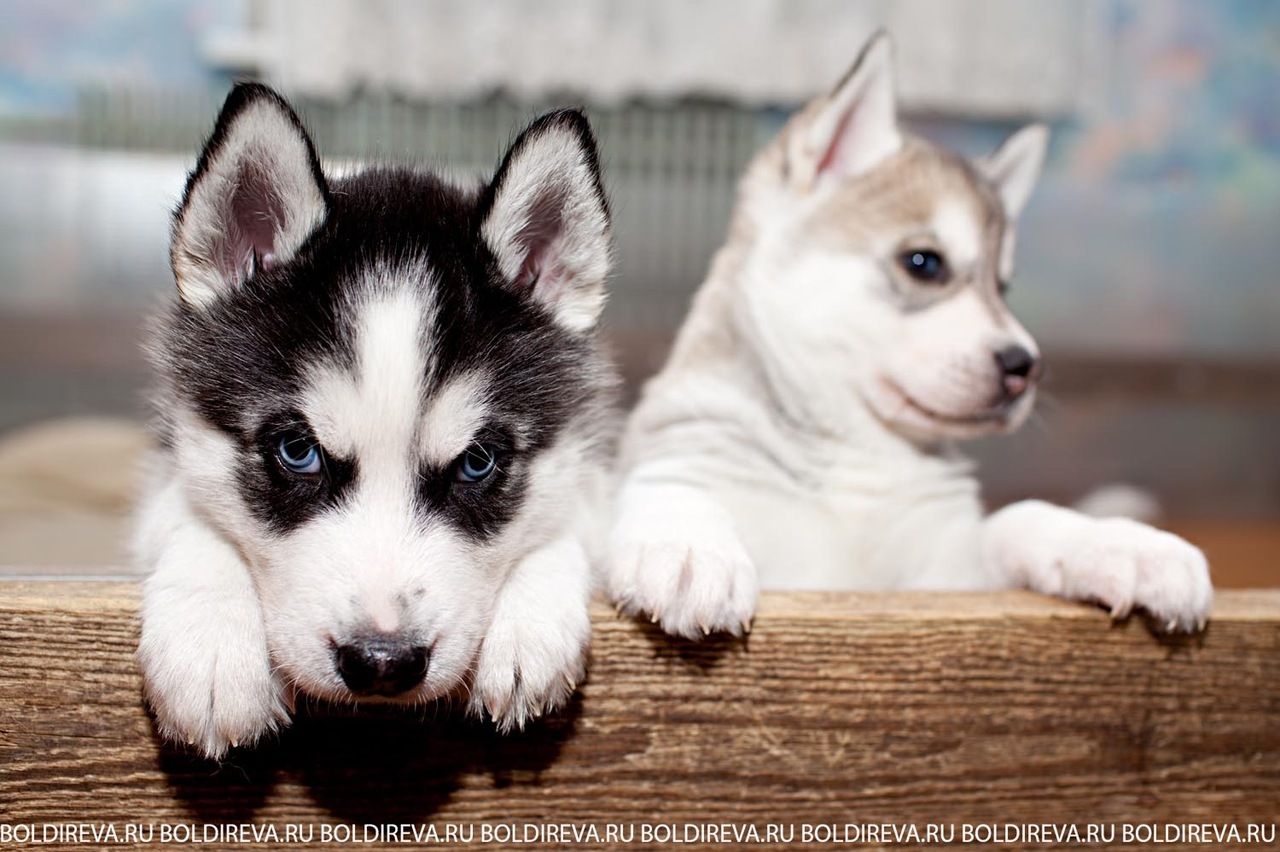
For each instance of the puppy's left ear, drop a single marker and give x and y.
(1015, 167)
(853, 129)
(546, 220)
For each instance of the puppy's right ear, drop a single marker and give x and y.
(855, 127)
(1015, 168)
(255, 196)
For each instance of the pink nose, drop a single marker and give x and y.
(1018, 369)
(1014, 386)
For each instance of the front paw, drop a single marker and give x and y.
(693, 579)
(209, 681)
(530, 664)
(1126, 565)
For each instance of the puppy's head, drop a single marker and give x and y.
(383, 391)
(878, 263)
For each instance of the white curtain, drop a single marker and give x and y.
(973, 56)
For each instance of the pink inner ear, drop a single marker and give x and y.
(836, 159)
(866, 129)
(256, 216)
(529, 273)
(537, 238)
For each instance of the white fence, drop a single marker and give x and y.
(86, 222)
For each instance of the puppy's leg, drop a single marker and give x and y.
(674, 554)
(535, 653)
(1118, 562)
(203, 650)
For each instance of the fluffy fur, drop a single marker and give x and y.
(343, 357)
(852, 328)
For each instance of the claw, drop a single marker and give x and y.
(573, 684)
(495, 709)
(1201, 624)
(1172, 625)
(235, 742)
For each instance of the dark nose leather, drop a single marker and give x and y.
(1018, 369)
(381, 665)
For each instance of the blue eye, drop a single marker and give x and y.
(925, 265)
(477, 463)
(299, 453)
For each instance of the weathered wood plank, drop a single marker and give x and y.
(840, 708)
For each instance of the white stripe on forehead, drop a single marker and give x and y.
(371, 413)
(375, 413)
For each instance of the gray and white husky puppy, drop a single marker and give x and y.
(383, 416)
(852, 328)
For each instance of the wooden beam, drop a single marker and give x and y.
(841, 708)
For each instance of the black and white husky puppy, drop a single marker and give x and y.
(384, 417)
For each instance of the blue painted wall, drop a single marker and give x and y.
(1158, 225)
(47, 47)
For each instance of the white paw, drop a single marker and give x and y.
(688, 572)
(208, 678)
(530, 663)
(1126, 565)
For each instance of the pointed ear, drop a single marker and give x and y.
(856, 126)
(255, 196)
(1015, 168)
(546, 221)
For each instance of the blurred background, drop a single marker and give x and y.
(1148, 260)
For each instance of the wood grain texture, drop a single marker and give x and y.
(904, 708)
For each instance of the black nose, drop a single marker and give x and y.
(381, 665)
(1018, 369)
